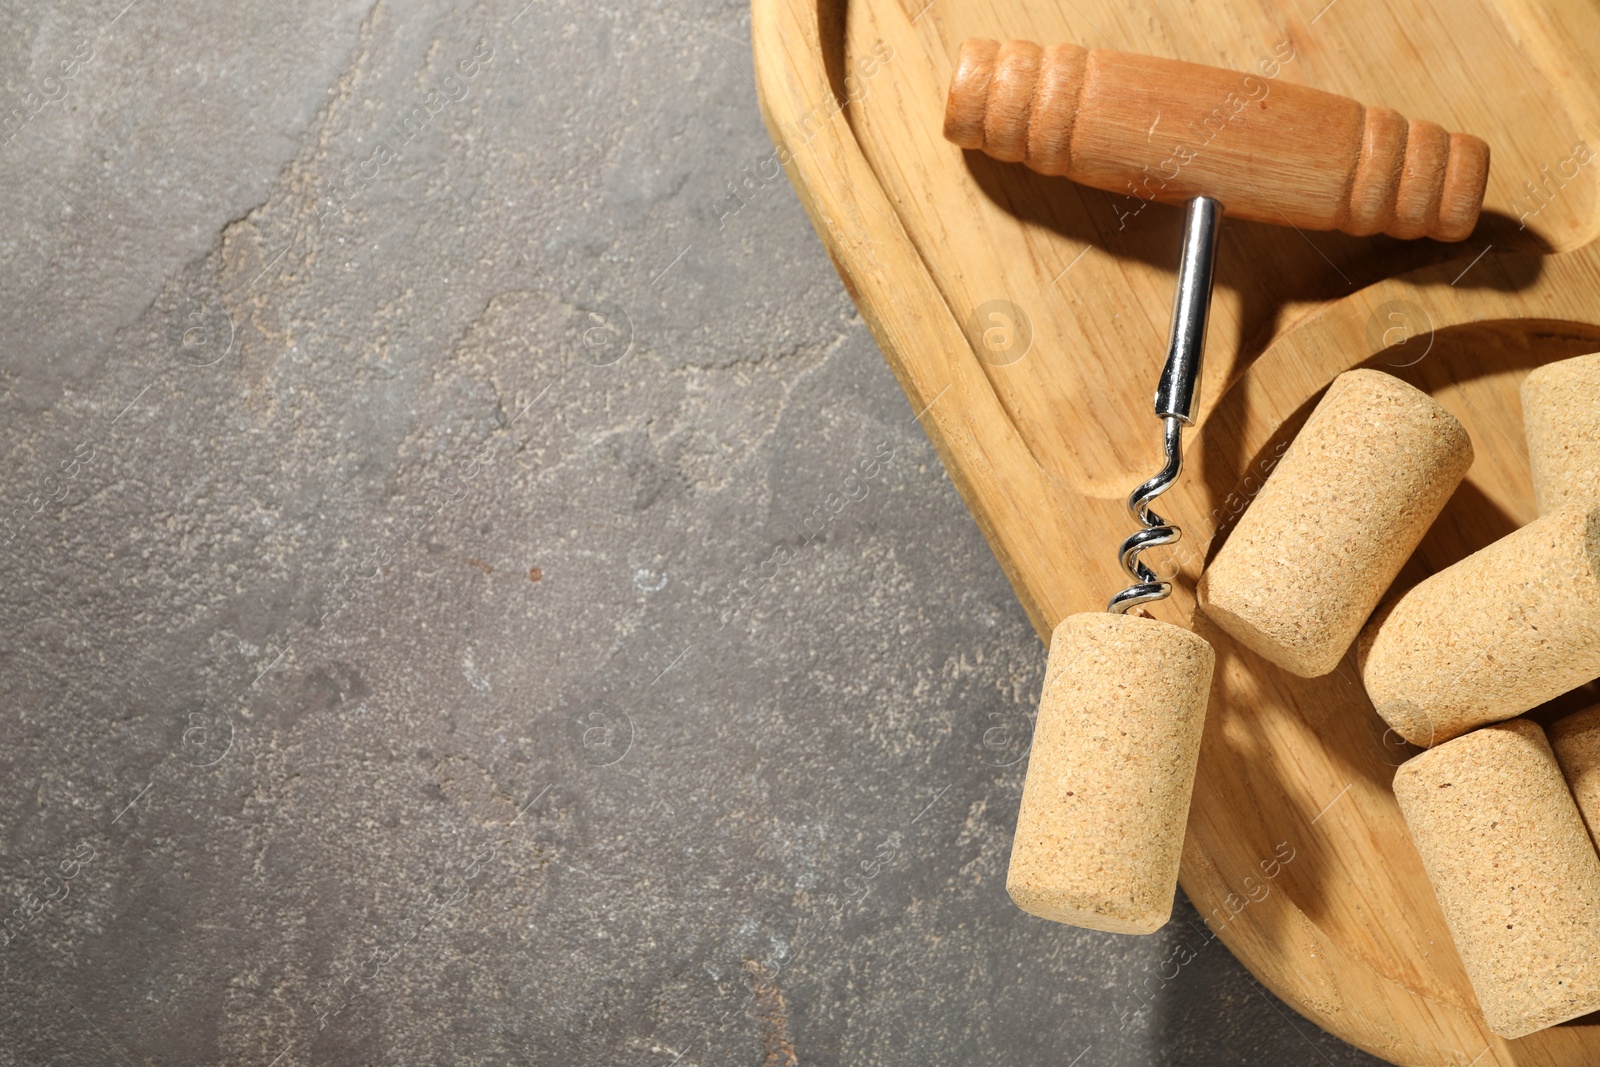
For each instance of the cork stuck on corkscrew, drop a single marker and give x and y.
(1123, 688)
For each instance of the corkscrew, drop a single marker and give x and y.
(1100, 828)
(1177, 396)
(1276, 152)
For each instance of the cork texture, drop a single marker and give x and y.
(1561, 410)
(1502, 631)
(1335, 522)
(1576, 740)
(1106, 799)
(1514, 872)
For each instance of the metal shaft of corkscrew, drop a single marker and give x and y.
(1177, 397)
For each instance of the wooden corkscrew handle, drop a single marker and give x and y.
(1269, 150)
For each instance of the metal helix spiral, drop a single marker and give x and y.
(1154, 532)
(1176, 400)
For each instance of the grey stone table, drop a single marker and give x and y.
(474, 592)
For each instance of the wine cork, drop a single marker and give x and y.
(1576, 740)
(1106, 799)
(1514, 872)
(1337, 519)
(1561, 409)
(1502, 631)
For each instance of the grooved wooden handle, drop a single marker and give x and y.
(1270, 150)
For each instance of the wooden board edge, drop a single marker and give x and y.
(881, 268)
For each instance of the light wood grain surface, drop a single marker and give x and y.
(1270, 150)
(1042, 414)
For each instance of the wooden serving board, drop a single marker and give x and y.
(1043, 415)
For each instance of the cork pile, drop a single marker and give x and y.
(1505, 819)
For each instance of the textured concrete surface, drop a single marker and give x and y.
(475, 593)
